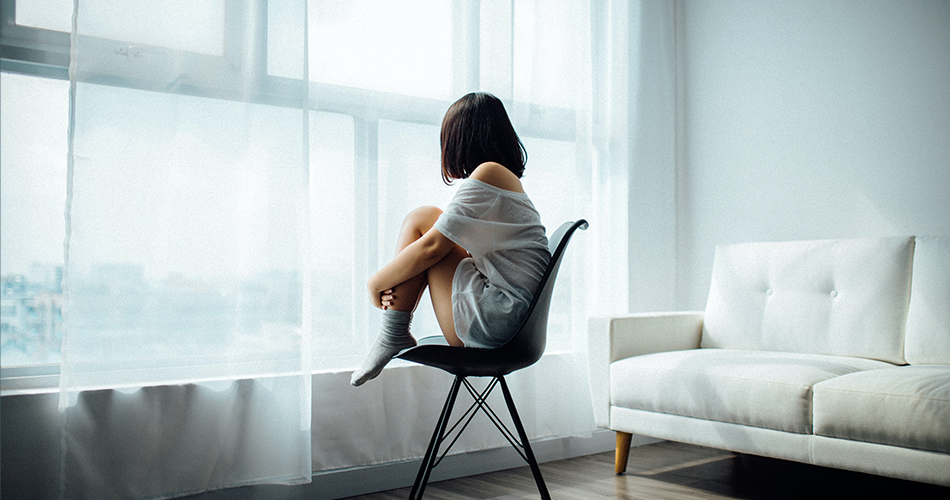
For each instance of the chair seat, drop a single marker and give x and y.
(465, 361)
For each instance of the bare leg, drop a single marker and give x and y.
(406, 295)
(437, 278)
(402, 301)
(440, 291)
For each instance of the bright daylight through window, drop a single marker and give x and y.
(187, 256)
(33, 113)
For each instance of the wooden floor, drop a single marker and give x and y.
(675, 471)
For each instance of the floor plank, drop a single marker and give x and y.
(675, 471)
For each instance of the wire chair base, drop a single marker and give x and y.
(520, 442)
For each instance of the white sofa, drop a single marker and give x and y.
(833, 352)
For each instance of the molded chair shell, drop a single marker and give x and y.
(523, 349)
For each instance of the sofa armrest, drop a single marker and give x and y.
(613, 338)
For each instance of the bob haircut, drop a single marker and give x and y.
(476, 129)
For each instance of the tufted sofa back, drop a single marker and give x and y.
(928, 319)
(842, 297)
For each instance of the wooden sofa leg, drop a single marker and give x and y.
(623, 451)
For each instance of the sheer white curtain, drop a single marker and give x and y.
(186, 355)
(238, 169)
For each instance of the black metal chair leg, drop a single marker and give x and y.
(524, 441)
(432, 452)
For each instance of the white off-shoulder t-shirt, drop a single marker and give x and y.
(502, 231)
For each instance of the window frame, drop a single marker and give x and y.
(45, 53)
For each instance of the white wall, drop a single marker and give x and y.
(806, 120)
(652, 156)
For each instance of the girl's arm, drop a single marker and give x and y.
(410, 262)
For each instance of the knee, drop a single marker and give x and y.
(422, 218)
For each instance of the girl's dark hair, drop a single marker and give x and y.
(476, 129)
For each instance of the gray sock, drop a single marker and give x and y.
(393, 337)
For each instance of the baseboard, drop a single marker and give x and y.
(390, 476)
(364, 480)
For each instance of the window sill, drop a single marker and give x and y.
(44, 379)
(38, 379)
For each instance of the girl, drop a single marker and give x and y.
(482, 258)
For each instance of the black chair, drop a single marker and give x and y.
(524, 349)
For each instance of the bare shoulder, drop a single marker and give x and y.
(497, 175)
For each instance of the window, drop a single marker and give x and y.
(33, 119)
(333, 215)
(196, 27)
(53, 15)
(381, 75)
(401, 48)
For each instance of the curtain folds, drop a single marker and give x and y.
(186, 365)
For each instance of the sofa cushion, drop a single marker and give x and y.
(907, 406)
(928, 318)
(757, 388)
(836, 297)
